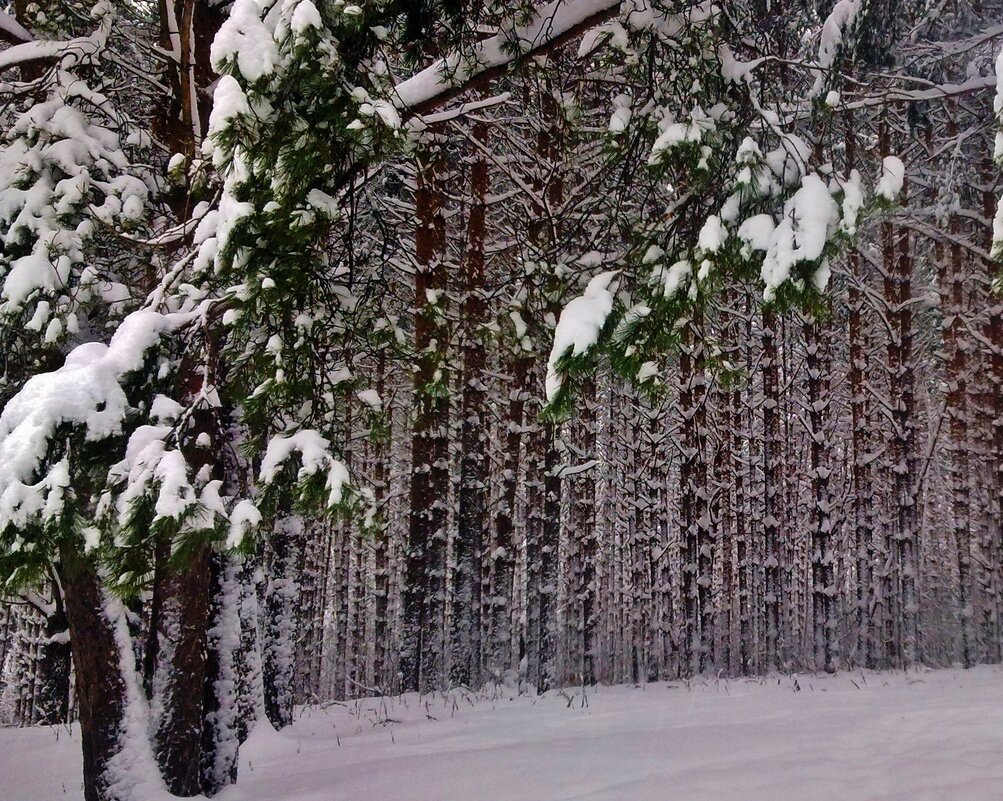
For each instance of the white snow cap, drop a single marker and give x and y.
(315, 455)
(892, 178)
(837, 24)
(578, 329)
(86, 392)
(247, 40)
(371, 398)
(810, 217)
(842, 17)
(712, 235)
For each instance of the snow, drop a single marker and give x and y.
(371, 398)
(315, 455)
(810, 217)
(621, 114)
(712, 235)
(839, 22)
(245, 41)
(244, 517)
(305, 17)
(71, 50)
(13, 29)
(853, 202)
(674, 276)
(148, 462)
(578, 329)
(86, 391)
(892, 178)
(132, 771)
(677, 133)
(228, 102)
(550, 22)
(922, 736)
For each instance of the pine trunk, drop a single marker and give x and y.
(100, 686)
(473, 491)
(424, 592)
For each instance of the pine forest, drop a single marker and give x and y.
(460, 352)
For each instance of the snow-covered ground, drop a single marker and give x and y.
(917, 737)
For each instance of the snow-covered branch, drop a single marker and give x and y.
(12, 31)
(81, 47)
(554, 24)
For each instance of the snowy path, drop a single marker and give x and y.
(929, 736)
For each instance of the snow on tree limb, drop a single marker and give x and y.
(553, 24)
(12, 31)
(87, 392)
(315, 459)
(81, 47)
(941, 92)
(578, 329)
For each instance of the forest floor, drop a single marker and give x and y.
(922, 736)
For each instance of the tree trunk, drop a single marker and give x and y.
(472, 502)
(952, 280)
(281, 621)
(424, 592)
(100, 686)
(772, 496)
(823, 579)
(583, 529)
(186, 626)
(861, 473)
(54, 697)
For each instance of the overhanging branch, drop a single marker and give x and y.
(553, 25)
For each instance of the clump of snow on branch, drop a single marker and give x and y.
(62, 176)
(892, 178)
(86, 392)
(839, 22)
(315, 458)
(581, 322)
(809, 219)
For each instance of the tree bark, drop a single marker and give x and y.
(100, 686)
(473, 493)
(423, 601)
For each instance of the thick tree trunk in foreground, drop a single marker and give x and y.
(179, 735)
(100, 686)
